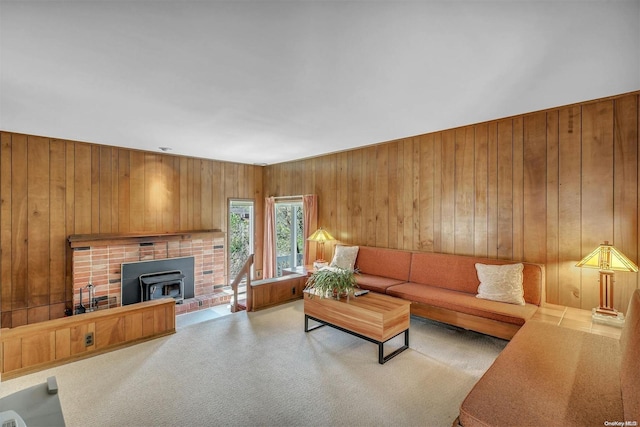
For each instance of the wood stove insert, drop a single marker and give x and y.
(165, 284)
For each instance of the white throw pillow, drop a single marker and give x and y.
(501, 283)
(345, 257)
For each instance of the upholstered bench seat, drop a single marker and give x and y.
(376, 283)
(463, 302)
(443, 287)
(551, 375)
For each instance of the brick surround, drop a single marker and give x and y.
(100, 262)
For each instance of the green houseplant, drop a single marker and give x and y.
(332, 282)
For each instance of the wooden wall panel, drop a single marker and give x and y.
(426, 192)
(19, 227)
(597, 189)
(544, 187)
(368, 193)
(464, 191)
(552, 208)
(136, 191)
(38, 222)
(447, 199)
(342, 196)
(625, 191)
(534, 206)
(517, 246)
(480, 196)
(6, 229)
(206, 172)
(505, 189)
(57, 224)
(355, 185)
(105, 182)
(381, 196)
(437, 190)
(569, 199)
(95, 188)
(82, 189)
(124, 191)
(395, 205)
(492, 190)
(50, 189)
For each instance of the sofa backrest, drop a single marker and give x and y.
(630, 366)
(391, 263)
(458, 272)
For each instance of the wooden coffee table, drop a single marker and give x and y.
(374, 317)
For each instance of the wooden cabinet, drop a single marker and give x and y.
(42, 345)
(270, 292)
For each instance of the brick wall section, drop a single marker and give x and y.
(101, 266)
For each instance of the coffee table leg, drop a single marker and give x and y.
(306, 324)
(382, 358)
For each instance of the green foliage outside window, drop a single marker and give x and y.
(238, 246)
(289, 235)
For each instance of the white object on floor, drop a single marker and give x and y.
(11, 419)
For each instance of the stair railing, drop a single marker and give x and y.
(244, 271)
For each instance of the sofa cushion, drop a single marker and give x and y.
(376, 283)
(463, 302)
(501, 283)
(344, 257)
(384, 262)
(458, 273)
(630, 367)
(548, 375)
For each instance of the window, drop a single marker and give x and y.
(289, 238)
(240, 235)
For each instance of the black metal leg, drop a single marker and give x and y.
(381, 357)
(306, 323)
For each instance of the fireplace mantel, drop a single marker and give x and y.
(93, 240)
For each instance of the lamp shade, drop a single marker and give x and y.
(607, 257)
(320, 235)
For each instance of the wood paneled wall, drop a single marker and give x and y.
(50, 189)
(544, 187)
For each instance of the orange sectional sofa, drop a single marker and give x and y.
(547, 374)
(550, 375)
(443, 287)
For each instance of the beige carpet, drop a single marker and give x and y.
(262, 369)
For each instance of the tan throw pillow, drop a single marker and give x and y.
(501, 283)
(344, 257)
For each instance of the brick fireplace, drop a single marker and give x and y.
(97, 259)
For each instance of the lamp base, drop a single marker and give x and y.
(613, 319)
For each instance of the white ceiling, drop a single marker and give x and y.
(270, 81)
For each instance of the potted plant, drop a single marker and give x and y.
(330, 282)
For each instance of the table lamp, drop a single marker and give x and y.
(607, 259)
(320, 236)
